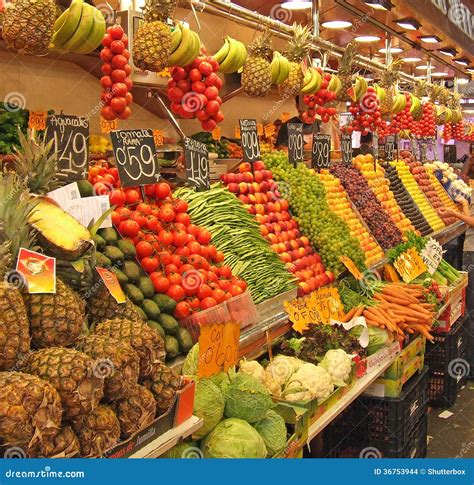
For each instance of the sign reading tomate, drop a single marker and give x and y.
(218, 348)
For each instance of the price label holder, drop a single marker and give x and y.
(216, 133)
(70, 135)
(389, 147)
(300, 313)
(409, 265)
(196, 159)
(34, 271)
(106, 126)
(158, 138)
(346, 148)
(259, 129)
(135, 153)
(432, 255)
(218, 348)
(111, 282)
(249, 140)
(423, 149)
(375, 145)
(37, 120)
(321, 151)
(295, 143)
(327, 304)
(450, 154)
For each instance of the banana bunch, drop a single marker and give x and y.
(404, 134)
(312, 81)
(79, 29)
(335, 84)
(380, 92)
(231, 56)
(415, 104)
(399, 103)
(280, 67)
(99, 144)
(185, 46)
(360, 87)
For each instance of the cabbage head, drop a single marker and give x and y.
(209, 405)
(272, 429)
(233, 438)
(190, 364)
(246, 398)
(186, 449)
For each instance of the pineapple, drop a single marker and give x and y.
(120, 364)
(152, 41)
(30, 410)
(136, 411)
(389, 80)
(64, 445)
(299, 47)
(97, 431)
(420, 92)
(103, 306)
(146, 341)
(257, 75)
(344, 72)
(56, 319)
(74, 376)
(163, 383)
(28, 25)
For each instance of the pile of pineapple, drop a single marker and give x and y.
(79, 371)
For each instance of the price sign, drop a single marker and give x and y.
(389, 147)
(70, 135)
(216, 133)
(111, 282)
(249, 140)
(269, 130)
(237, 133)
(327, 304)
(295, 143)
(321, 151)
(218, 348)
(375, 144)
(158, 138)
(409, 265)
(300, 313)
(106, 126)
(259, 129)
(197, 164)
(432, 255)
(37, 120)
(450, 153)
(346, 148)
(35, 271)
(135, 153)
(423, 150)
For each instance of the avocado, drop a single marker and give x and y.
(170, 324)
(121, 277)
(157, 327)
(99, 242)
(146, 287)
(166, 304)
(127, 248)
(134, 294)
(141, 313)
(132, 270)
(151, 309)
(102, 261)
(185, 340)
(86, 189)
(110, 235)
(171, 346)
(113, 253)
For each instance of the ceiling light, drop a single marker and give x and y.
(470, 69)
(367, 38)
(430, 39)
(420, 77)
(462, 61)
(337, 24)
(463, 80)
(448, 51)
(439, 74)
(393, 50)
(379, 4)
(411, 59)
(408, 24)
(296, 4)
(424, 67)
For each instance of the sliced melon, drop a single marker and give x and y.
(62, 235)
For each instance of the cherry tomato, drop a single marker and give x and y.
(129, 228)
(149, 264)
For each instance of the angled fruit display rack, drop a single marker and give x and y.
(167, 292)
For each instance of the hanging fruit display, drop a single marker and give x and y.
(231, 56)
(185, 46)
(344, 71)
(366, 112)
(426, 126)
(257, 72)
(458, 131)
(318, 102)
(280, 67)
(388, 83)
(447, 132)
(403, 120)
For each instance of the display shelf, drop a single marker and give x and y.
(169, 439)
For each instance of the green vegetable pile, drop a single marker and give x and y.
(11, 118)
(236, 233)
(213, 146)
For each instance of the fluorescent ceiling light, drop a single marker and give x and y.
(470, 69)
(439, 74)
(420, 77)
(430, 39)
(424, 67)
(367, 38)
(337, 24)
(448, 51)
(411, 59)
(408, 24)
(463, 80)
(462, 61)
(296, 4)
(393, 50)
(379, 4)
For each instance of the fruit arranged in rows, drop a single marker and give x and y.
(236, 234)
(442, 194)
(185, 46)
(405, 202)
(115, 82)
(327, 232)
(379, 222)
(381, 188)
(339, 202)
(277, 226)
(451, 181)
(231, 56)
(417, 195)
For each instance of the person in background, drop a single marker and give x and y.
(366, 142)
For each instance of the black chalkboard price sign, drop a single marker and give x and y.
(375, 145)
(197, 164)
(249, 140)
(135, 154)
(71, 142)
(346, 148)
(450, 153)
(389, 147)
(321, 151)
(295, 143)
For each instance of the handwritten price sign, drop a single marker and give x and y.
(218, 348)
(106, 126)
(158, 137)
(409, 265)
(37, 120)
(326, 303)
(301, 313)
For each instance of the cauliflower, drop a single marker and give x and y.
(338, 365)
(282, 367)
(252, 368)
(272, 385)
(309, 382)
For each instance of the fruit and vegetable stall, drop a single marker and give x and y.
(240, 299)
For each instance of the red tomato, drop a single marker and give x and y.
(114, 172)
(124, 212)
(204, 236)
(160, 283)
(182, 310)
(180, 205)
(186, 267)
(139, 218)
(204, 291)
(174, 279)
(193, 229)
(194, 247)
(208, 302)
(211, 252)
(194, 75)
(176, 292)
(150, 190)
(195, 303)
(165, 258)
(211, 276)
(153, 224)
(205, 68)
(241, 283)
(133, 196)
(170, 268)
(225, 272)
(144, 249)
(165, 237)
(235, 290)
(176, 260)
(179, 238)
(144, 208)
(219, 257)
(101, 188)
(149, 264)
(116, 218)
(162, 190)
(183, 218)
(115, 31)
(129, 228)
(119, 61)
(224, 284)
(166, 214)
(183, 251)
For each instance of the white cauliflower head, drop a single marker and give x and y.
(272, 385)
(282, 367)
(252, 368)
(338, 364)
(309, 382)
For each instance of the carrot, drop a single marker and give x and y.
(359, 311)
(349, 315)
(418, 308)
(422, 329)
(396, 292)
(397, 300)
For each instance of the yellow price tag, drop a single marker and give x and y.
(216, 133)
(326, 303)
(106, 126)
(299, 313)
(409, 265)
(37, 120)
(158, 137)
(259, 129)
(351, 266)
(237, 132)
(285, 116)
(269, 130)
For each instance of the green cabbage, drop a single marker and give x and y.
(209, 405)
(246, 398)
(272, 429)
(186, 449)
(378, 337)
(190, 365)
(234, 438)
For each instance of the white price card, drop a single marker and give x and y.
(89, 209)
(432, 255)
(65, 194)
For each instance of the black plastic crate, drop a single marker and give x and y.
(443, 388)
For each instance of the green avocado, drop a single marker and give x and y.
(134, 294)
(185, 340)
(157, 327)
(114, 254)
(151, 309)
(86, 189)
(146, 287)
(132, 270)
(171, 346)
(110, 235)
(99, 242)
(102, 261)
(127, 248)
(170, 324)
(166, 304)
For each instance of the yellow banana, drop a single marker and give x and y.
(235, 57)
(284, 69)
(184, 49)
(83, 29)
(176, 36)
(66, 25)
(222, 53)
(360, 87)
(275, 66)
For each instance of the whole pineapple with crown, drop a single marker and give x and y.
(419, 92)
(344, 71)
(103, 306)
(152, 41)
(256, 74)
(298, 48)
(163, 382)
(389, 81)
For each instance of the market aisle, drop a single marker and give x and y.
(453, 437)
